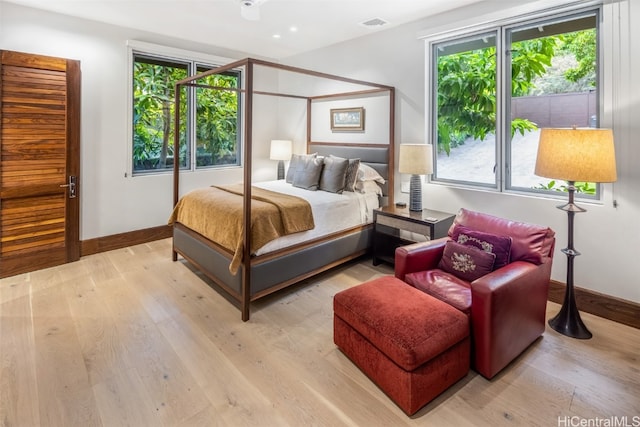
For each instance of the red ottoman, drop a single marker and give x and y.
(413, 346)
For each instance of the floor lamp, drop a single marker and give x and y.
(415, 159)
(280, 151)
(585, 155)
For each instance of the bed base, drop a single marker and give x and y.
(274, 271)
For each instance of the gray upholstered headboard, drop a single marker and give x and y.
(376, 157)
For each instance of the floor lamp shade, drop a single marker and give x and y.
(281, 150)
(585, 155)
(415, 159)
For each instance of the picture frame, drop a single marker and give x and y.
(347, 119)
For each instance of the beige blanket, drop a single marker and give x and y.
(216, 213)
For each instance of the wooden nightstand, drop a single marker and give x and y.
(393, 227)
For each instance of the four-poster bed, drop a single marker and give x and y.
(262, 274)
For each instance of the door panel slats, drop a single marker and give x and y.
(39, 124)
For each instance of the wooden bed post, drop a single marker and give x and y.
(309, 104)
(176, 153)
(248, 149)
(392, 145)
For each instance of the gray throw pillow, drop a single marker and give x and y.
(307, 174)
(293, 164)
(333, 174)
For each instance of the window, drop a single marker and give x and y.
(211, 115)
(217, 136)
(493, 91)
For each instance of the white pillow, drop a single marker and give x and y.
(368, 187)
(367, 173)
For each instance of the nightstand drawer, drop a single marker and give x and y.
(403, 224)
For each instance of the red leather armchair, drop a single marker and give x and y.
(507, 307)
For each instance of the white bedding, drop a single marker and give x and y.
(331, 212)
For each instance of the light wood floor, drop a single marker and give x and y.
(129, 337)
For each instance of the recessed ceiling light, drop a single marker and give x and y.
(276, 36)
(293, 29)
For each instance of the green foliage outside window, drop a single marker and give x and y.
(582, 46)
(215, 119)
(153, 109)
(467, 83)
(467, 89)
(580, 187)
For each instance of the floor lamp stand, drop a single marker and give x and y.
(568, 321)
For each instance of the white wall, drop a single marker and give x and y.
(606, 236)
(110, 202)
(376, 120)
(292, 121)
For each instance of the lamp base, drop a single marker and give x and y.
(415, 194)
(280, 169)
(568, 322)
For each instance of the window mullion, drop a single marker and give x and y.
(504, 110)
(191, 123)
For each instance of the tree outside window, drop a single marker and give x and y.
(212, 116)
(217, 121)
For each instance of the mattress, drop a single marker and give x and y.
(331, 212)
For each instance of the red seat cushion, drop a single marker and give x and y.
(408, 326)
(444, 286)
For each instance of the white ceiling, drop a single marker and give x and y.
(218, 22)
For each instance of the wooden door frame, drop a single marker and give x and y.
(72, 225)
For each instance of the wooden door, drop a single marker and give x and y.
(39, 159)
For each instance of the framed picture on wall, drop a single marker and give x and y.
(347, 119)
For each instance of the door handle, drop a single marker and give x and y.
(72, 186)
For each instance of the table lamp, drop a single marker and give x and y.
(280, 151)
(585, 155)
(416, 159)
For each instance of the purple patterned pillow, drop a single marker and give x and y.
(498, 245)
(466, 262)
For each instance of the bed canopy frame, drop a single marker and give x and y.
(248, 65)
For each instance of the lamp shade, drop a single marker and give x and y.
(280, 149)
(416, 159)
(585, 155)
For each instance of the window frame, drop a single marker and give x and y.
(194, 60)
(432, 100)
(502, 28)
